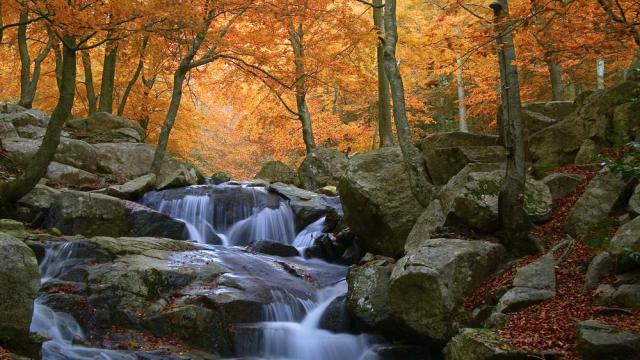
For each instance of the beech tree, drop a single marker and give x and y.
(385, 132)
(29, 77)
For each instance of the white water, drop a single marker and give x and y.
(290, 327)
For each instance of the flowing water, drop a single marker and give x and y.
(220, 218)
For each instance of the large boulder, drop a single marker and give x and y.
(103, 127)
(322, 167)
(277, 171)
(485, 344)
(7, 130)
(220, 177)
(625, 242)
(562, 184)
(378, 203)
(26, 117)
(34, 207)
(368, 294)
(71, 152)
(533, 283)
(599, 342)
(604, 194)
(91, 214)
(133, 189)
(67, 175)
(129, 161)
(19, 284)
(558, 144)
(625, 123)
(445, 163)
(306, 205)
(430, 283)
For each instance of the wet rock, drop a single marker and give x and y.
(177, 179)
(561, 184)
(19, 284)
(277, 171)
(220, 177)
(307, 206)
(429, 283)
(533, 283)
(378, 203)
(368, 294)
(336, 317)
(322, 167)
(404, 352)
(273, 248)
(605, 193)
(599, 342)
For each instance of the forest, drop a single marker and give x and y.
(328, 179)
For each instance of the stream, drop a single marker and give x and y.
(223, 220)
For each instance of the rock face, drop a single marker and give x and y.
(558, 144)
(428, 284)
(599, 342)
(322, 167)
(533, 283)
(377, 201)
(561, 184)
(368, 293)
(91, 214)
(19, 284)
(105, 128)
(277, 171)
(604, 194)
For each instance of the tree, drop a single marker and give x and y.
(108, 77)
(514, 220)
(412, 158)
(92, 99)
(384, 102)
(28, 78)
(190, 60)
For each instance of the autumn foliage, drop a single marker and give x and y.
(235, 111)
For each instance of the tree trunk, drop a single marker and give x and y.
(88, 83)
(462, 107)
(384, 102)
(29, 81)
(108, 78)
(176, 97)
(296, 37)
(37, 168)
(412, 158)
(134, 78)
(514, 220)
(555, 74)
(600, 74)
(148, 85)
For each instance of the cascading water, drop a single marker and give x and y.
(230, 216)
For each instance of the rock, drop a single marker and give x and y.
(91, 214)
(428, 224)
(368, 294)
(36, 204)
(625, 242)
(634, 202)
(13, 228)
(601, 265)
(428, 284)
(445, 163)
(71, 152)
(455, 139)
(19, 284)
(7, 130)
(401, 351)
(26, 117)
(178, 178)
(133, 189)
(627, 296)
(533, 283)
(603, 195)
(273, 248)
(277, 171)
(66, 175)
(556, 110)
(220, 177)
(625, 124)
(10, 108)
(335, 318)
(33, 132)
(598, 342)
(306, 205)
(329, 191)
(534, 121)
(105, 127)
(558, 144)
(484, 344)
(322, 167)
(378, 203)
(562, 184)
(588, 153)
(129, 161)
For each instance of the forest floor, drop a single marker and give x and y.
(550, 325)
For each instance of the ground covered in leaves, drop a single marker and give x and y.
(550, 325)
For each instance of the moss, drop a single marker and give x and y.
(486, 188)
(533, 200)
